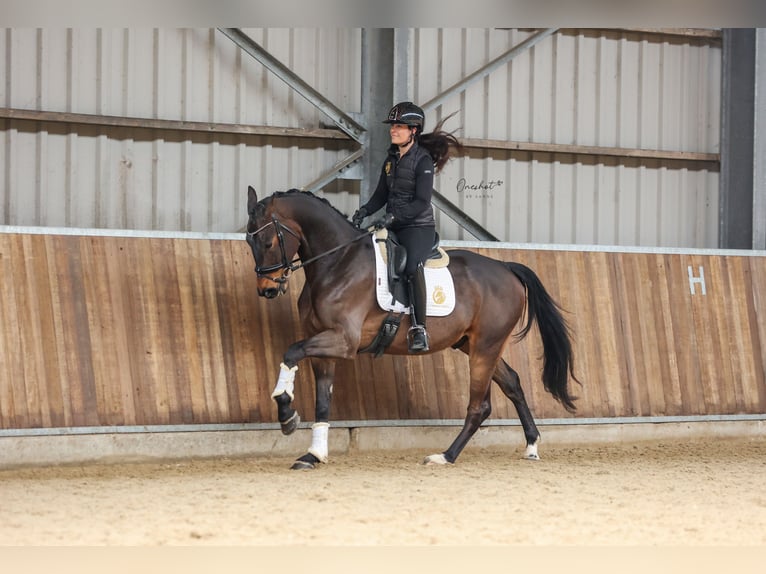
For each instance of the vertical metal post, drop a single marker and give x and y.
(377, 92)
(736, 176)
(759, 143)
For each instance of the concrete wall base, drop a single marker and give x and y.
(20, 451)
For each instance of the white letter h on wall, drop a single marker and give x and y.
(697, 280)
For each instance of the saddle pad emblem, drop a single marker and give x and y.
(438, 296)
(440, 288)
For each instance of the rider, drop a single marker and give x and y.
(405, 188)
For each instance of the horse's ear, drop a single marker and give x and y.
(252, 199)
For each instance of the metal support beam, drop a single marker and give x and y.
(488, 69)
(334, 172)
(378, 69)
(341, 119)
(759, 143)
(735, 218)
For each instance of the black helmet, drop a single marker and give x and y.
(406, 113)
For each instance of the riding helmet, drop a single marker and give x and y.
(406, 113)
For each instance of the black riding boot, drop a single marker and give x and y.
(417, 338)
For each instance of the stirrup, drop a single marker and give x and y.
(417, 339)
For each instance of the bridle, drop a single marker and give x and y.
(290, 266)
(285, 265)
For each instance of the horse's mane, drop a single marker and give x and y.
(296, 192)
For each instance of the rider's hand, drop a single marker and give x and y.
(359, 216)
(384, 221)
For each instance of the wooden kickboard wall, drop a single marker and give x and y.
(122, 331)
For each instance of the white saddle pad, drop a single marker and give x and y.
(440, 288)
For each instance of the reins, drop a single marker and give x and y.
(296, 263)
(333, 250)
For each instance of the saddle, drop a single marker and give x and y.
(391, 259)
(395, 258)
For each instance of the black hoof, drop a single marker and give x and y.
(289, 426)
(307, 462)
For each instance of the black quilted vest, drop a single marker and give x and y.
(400, 179)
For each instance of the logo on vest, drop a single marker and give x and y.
(388, 168)
(438, 295)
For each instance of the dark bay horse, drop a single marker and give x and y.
(294, 229)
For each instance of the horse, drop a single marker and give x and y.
(294, 229)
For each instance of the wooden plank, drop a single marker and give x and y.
(668, 339)
(686, 345)
(650, 321)
(739, 335)
(99, 325)
(138, 334)
(185, 328)
(58, 370)
(212, 349)
(13, 403)
(30, 336)
(756, 308)
(124, 372)
(609, 333)
(707, 357)
(226, 309)
(721, 331)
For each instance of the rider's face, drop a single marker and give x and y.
(400, 133)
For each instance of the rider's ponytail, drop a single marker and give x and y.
(441, 145)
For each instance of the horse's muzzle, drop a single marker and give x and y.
(271, 288)
(270, 293)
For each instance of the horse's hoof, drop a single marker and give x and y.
(307, 462)
(531, 451)
(433, 459)
(289, 426)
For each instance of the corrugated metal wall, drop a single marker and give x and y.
(611, 89)
(54, 175)
(614, 89)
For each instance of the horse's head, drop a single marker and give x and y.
(274, 240)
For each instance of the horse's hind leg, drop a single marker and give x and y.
(508, 381)
(479, 407)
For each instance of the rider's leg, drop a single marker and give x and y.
(418, 241)
(417, 337)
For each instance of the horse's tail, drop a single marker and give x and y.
(554, 332)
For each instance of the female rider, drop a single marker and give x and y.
(405, 188)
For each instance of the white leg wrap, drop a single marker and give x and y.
(286, 381)
(439, 459)
(318, 448)
(531, 451)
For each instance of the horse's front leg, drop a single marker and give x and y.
(324, 373)
(283, 394)
(329, 344)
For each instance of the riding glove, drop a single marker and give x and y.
(358, 216)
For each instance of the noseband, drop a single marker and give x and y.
(288, 266)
